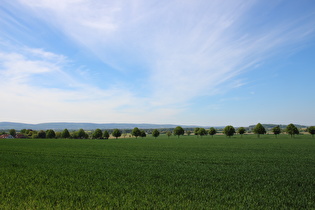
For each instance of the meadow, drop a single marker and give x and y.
(175, 173)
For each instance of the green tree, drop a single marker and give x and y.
(276, 130)
(292, 130)
(241, 130)
(196, 131)
(136, 132)
(212, 131)
(143, 134)
(58, 134)
(97, 134)
(106, 135)
(116, 133)
(202, 132)
(311, 130)
(155, 133)
(65, 134)
(188, 133)
(168, 133)
(32, 134)
(41, 134)
(12, 132)
(229, 131)
(81, 134)
(178, 131)
(259, 129)
(50, 134)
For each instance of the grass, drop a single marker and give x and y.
(184, 173)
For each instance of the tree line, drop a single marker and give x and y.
(229, 131)
(259, 129)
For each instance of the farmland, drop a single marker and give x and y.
(185, 172)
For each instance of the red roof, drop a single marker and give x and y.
(6, 136)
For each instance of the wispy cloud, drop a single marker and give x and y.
(37, 81)
(188, 48)
(181, 50)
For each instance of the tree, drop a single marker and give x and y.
(136, 132)
(143, 134)
(116, 133)
(229, 131)
(81, 134)
(50, 134)
(259, 129)
(27, 131)
(65, 134)
(212, 131)
(178, 131)
(155, 133)
(202, 132)
(58, 134)
(188, 133)
(241, 130)
(292, 130)
(168, 133)
(106, 135)
(41, 134)
(97, 134)
(12, 132)
(311, 130)
(196, 131)
(276, 130)
(32, 134)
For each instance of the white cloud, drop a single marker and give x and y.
(188, 47)
(17, 68)
(185, 49)
(26, 97)
(40, 53)
(89, 18)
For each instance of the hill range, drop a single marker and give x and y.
(85, 126)
(93, 126)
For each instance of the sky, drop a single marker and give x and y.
(191, 62)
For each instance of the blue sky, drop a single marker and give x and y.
(209, 63)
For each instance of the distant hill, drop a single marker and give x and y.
(93, 126)
(85, 126)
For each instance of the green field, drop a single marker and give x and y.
(184, 173)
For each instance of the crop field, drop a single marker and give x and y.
(175, 173)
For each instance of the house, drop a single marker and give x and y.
(20, 136)
(6, 136)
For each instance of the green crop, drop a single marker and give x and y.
(184, 173)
